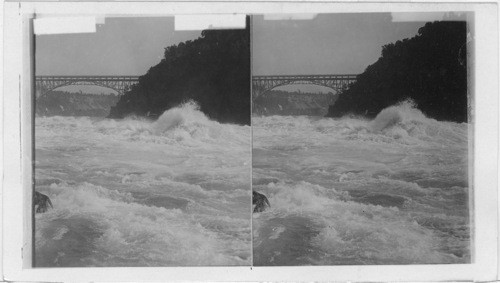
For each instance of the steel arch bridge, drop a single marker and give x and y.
(120, 84)
(261, 84)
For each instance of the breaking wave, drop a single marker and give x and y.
(336, 228)
(351, 190)
(399, 124)
(123, 231)
(184, 125)
(136, 192)
(187, 114)
(395, 114)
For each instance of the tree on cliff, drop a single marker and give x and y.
(429, 68)
(213, 70)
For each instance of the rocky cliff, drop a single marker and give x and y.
(430, 69)
(213, 71)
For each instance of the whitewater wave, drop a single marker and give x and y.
(400, 124)
(187, 114)
(184, 125)
(343, 229)
(405, 111)
(136, 192)
(126, 232)
(352, 190)
(406, 123)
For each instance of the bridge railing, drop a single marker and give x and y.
(87, 78)
(306, 77)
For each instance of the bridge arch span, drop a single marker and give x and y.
(262, 84)
(120, 84)
(43, 91)
(300, 83)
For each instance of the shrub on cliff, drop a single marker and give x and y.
(429, 68)
(213, 70)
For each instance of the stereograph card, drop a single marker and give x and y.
(250, 141)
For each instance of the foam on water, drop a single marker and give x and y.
(398, 124)
(184, 125)
(346, 231)
(187, 114)
(135, 192)
(392, 190)
(128, 233)
(400, 113)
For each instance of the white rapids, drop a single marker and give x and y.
(133, 192)
(392, 190)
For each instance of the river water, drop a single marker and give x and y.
(176, 192)
(392, 190)
(132, 192)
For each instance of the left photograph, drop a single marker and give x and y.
(142, 146)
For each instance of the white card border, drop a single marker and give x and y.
(485, 139)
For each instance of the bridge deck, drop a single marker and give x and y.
(261, 83)
(259, 77)
(87, 78)
(306, 77)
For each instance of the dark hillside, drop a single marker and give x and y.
(213, 70)
(430, 69)
(62, 103)
(278, 102)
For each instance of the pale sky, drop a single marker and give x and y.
(327, 44)
(122, 46)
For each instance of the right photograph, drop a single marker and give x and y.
(362, 138)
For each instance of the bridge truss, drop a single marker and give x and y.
(120, 84)
(261, 84)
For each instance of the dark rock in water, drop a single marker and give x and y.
(41, 202)
(260, 201)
